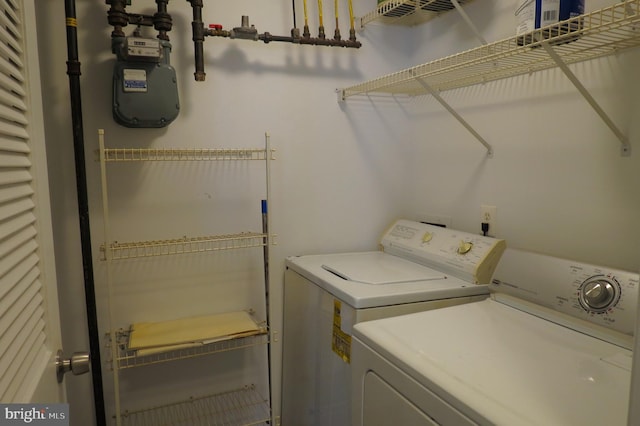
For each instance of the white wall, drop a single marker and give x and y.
(557, 177)
(337, 182)
(343, 171)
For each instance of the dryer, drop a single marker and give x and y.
(550, 346)
(419, 267)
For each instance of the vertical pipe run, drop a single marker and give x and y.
(162, 20)
(198, 39)
(73, 71)
(117, 16)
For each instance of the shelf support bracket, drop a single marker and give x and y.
(468, 21)
(457, 116)
(626, 147)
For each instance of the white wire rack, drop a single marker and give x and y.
(589, 36)
(241, 407)
(183, 245)
(408, 12)
(596, 34)
(184, 154)
(127, 358)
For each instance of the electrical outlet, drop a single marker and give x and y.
(488, 215)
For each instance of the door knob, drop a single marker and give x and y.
(77, 364)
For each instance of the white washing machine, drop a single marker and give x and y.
(419, 267)
(551, 346)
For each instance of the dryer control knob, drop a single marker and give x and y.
(598, 294)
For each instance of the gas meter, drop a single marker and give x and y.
(145, 90)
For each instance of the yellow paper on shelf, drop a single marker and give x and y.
(191, 331)
(161, 349)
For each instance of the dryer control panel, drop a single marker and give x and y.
(597, 294)
(467, 256)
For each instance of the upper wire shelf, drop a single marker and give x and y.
(131, 250)
(408, 12)
(184, 154)
(596, 34)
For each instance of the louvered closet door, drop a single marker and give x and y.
(29, 322)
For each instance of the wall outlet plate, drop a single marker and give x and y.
(488, 215)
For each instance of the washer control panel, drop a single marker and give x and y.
(467, 256)
(600, 295)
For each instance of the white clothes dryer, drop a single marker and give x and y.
(420, 267)
(551, 346)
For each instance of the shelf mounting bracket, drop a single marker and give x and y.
(455, 114)
(626, 147)
(469, 22)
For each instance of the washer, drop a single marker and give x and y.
(419, 267)
(550, 346)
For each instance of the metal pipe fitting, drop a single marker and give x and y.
(244, 31)
(352, 35)
(216, 30)
(295, 35)
(162, 20)
(117, 16)
(198, 31)
(267, 38)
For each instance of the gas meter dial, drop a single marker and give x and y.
(142, 49)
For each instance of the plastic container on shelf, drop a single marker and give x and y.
(535, 14)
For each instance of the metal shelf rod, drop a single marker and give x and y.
(243, 406)
(184, 154)
(468, 21)
(455, 114)
(184, 245)
(130, 358)
(626, 147)
(593, 35)
(109, 277)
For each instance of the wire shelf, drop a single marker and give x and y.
(600, 33)
(127, 358)
(184, 245)
(184, 154)
(240, 407)
(408, 12)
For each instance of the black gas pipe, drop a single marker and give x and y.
(73, 71)
(198, 39)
